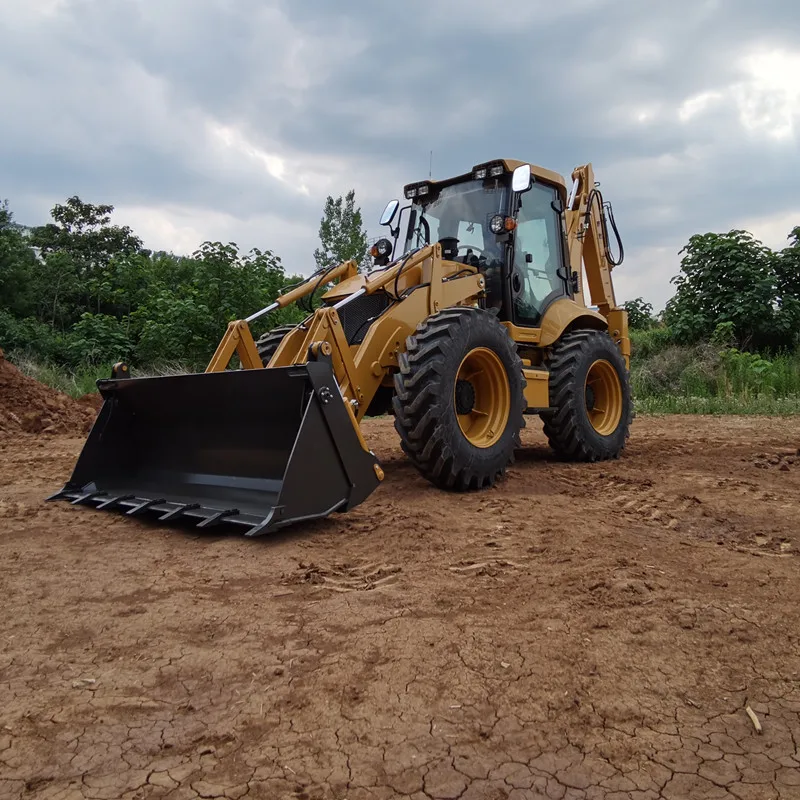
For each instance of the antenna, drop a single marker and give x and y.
(430, 166)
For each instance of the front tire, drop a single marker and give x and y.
(590, 397)
(268, 343)
(459, 399)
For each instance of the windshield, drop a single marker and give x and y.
(461, 212)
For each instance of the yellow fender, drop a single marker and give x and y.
(561, 315)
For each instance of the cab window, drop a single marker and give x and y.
(537, 255)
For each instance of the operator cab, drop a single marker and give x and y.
(501, 220)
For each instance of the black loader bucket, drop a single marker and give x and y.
(258, 448)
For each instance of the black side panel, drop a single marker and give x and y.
(355, 316)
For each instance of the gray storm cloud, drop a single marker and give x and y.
(233, 120)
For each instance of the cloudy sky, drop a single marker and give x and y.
(234, 119)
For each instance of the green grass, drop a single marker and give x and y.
(733, 405)
(81, 381)
(75, 383)
(666, 378)
(711, 379)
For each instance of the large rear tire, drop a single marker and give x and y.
(590, 397)
(268, 343)
(459, 399)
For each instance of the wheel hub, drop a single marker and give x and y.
(603, 397)
(482, 397)
(465, 397)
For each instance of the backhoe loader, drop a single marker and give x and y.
(473, 316)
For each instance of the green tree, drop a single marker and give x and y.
(640, 314)
(18, 266)
(341, 233)
(84, 242)
(184, 316)
(726, 278)
(92, 294)
(787, 272)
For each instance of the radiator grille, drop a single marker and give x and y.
(356, 314)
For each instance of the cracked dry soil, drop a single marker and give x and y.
(581, 631)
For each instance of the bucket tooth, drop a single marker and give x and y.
(82, 498)
(217, 518)
(176, 512)
(261, 527)
(112, 501)
(144, 505)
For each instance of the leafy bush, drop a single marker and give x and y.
(32, 337)
(645, 343)
(713, 378)
(173, 328)
(640, 314)
(98, 339)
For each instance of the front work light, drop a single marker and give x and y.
(417, 189)
(501, 224)
(381, 252)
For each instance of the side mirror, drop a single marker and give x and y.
(521, 179)
(389, 212)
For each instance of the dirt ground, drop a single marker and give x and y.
(578, 632)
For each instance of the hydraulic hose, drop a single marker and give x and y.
(606, 214)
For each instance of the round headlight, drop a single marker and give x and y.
(381, 251)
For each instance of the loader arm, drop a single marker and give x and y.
(589, 251)
(419, 285)
(238, 338)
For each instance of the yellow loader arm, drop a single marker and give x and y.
(421, 284)
(238, 339)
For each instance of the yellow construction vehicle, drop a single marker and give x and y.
(473, 316)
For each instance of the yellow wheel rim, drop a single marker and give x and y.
(482, 397)
(603, 393)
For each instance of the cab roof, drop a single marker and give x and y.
(510, 164)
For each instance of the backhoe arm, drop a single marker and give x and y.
(589, 249)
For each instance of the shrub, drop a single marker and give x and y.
(98, 339)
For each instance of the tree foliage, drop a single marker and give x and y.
(17, 260)
(733, 278)
(83, 291)
(640, 314)
(787, 275)
(341, 233)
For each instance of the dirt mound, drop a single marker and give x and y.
(31, 407)
(92, 400)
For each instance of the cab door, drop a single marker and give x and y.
(538, 275)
